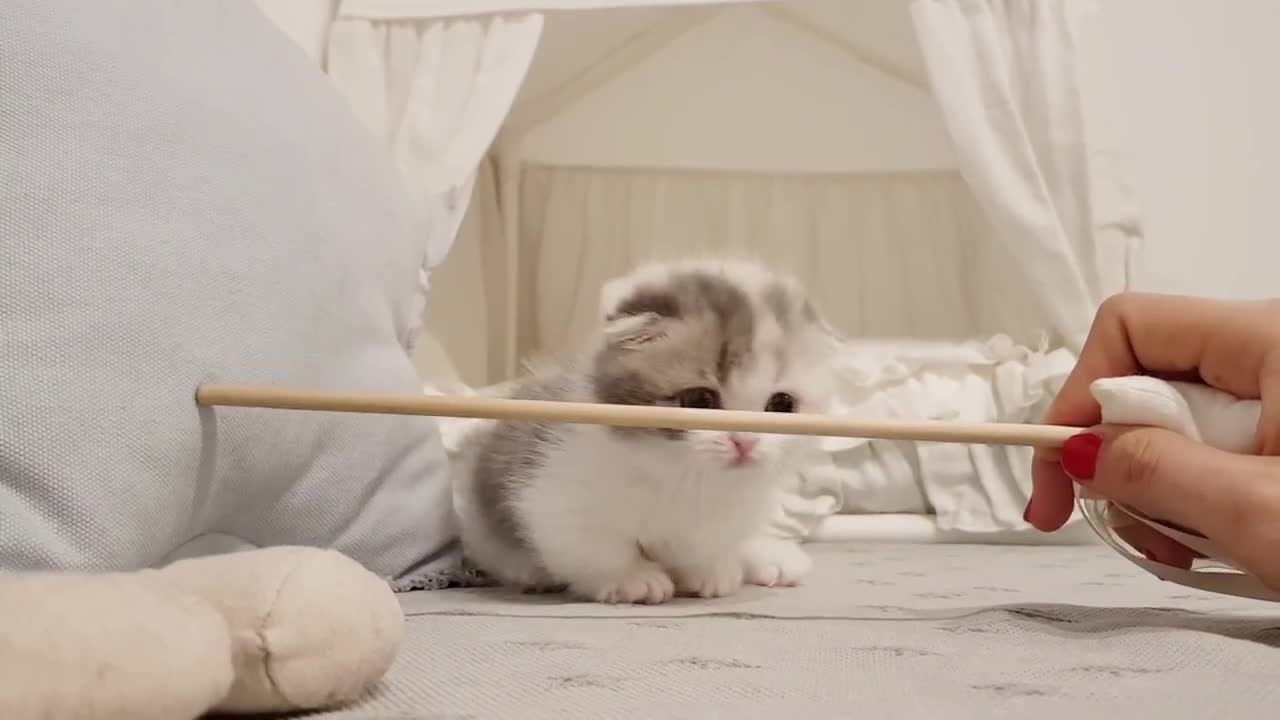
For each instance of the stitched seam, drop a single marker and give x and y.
(268, 656)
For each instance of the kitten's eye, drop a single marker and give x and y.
(701, 398)
(781, 402)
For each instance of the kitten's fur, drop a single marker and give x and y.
(637, 515)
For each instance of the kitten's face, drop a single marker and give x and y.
(722, 337)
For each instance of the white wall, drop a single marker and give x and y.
(784, 100)
(1202, 81)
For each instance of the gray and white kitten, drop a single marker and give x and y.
(621, 515)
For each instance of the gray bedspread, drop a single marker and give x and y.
(880, 631)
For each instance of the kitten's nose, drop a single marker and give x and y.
(743, 444)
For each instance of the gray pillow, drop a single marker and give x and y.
(185, 198)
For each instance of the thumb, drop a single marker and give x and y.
(1161, 474)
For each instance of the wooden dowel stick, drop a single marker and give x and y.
(634, 416)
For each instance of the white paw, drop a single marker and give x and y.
(646, 583)
(715, 580)
(774, 562)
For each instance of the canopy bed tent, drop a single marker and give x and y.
(939, 172)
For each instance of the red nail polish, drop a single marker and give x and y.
(1080, 455)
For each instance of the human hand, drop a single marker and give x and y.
(1232, 499)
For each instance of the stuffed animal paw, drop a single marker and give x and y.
(276, 629)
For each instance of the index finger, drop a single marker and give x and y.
(1217, 341)
(1214, 340)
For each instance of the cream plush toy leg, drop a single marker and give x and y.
(309, 628)
(285, 628)
(98, 647)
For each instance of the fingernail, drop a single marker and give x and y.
(1080, 455)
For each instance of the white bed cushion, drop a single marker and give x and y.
(184, 198)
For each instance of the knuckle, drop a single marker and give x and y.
(1116, 305)
(1120, 309)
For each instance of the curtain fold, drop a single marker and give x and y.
(886, 255)
(306, 22)
(1007, 77)
(435, 93)
(400, 9)
(462, 317)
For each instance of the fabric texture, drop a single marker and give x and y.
(185, 199)
(448, 8)
(878, 630)
(435, 93)
(108, 646)
(925, 528)
(1011, 87)
(1198, 411)
(976, 489)
(309, 628)
(274, 629)
(1017, 101)
(883, 255)
(460, 281)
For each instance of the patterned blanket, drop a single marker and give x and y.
(880, 631)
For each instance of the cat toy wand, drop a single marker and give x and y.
(633, 416)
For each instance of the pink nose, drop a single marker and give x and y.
(743, 444)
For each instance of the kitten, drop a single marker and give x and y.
(621, 515)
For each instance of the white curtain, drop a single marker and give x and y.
(1008, 79)
(306, 22)
(464, 311)
(886, 255)
(448, 8)
(436, 92)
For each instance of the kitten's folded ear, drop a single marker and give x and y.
(611, 296)
(630, 332)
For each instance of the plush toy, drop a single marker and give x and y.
(269, 630)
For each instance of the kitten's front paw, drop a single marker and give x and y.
(646, 583)
(774, 562)
(716, 580)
